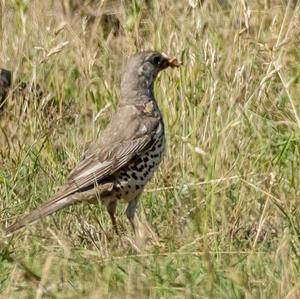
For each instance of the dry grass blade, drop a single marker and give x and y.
(55, 50)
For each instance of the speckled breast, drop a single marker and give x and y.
(132, 178)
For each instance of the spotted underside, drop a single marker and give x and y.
(131, 180)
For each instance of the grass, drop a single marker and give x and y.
(224, 202)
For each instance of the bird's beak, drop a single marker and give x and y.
(174, 62)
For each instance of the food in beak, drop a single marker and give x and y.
(174, 62)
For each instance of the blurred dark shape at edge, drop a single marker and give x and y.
(5, 83)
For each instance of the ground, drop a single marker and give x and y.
(220, 219)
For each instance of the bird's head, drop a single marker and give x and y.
(141, 71)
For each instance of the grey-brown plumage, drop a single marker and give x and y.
(120, 163)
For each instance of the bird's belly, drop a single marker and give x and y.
(132, 179)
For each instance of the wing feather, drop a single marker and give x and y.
(91, 170)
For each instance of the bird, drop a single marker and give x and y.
(123, 159)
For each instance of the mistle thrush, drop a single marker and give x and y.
(120, 163)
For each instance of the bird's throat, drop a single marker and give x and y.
(137, 90)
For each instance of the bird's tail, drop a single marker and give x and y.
(46, 209)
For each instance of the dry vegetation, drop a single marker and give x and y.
(224, 203)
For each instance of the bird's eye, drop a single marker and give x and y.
(156, 60)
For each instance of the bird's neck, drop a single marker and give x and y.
(141, 90)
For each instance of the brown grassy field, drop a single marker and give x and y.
(221, 218)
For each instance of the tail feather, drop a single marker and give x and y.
(46, 209)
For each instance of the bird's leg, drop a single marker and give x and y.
(111, 209)
(130, 212)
